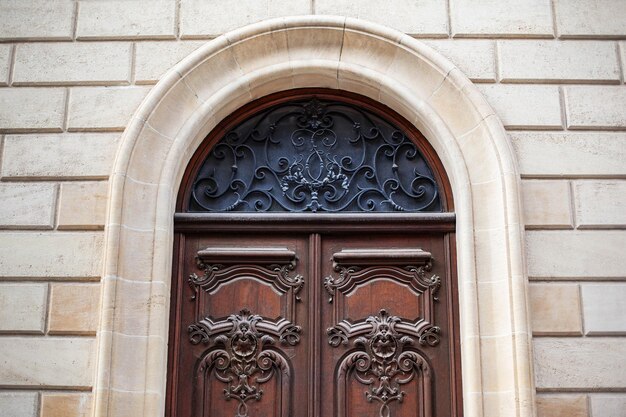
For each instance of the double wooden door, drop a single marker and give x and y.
(350, 322)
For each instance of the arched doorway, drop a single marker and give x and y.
(314, 266)
(277, 55)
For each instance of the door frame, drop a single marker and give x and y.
(348, 54)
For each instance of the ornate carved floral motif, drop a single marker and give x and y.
(318, 156)
(383, 361)
(240, 360)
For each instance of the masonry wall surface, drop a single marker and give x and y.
(72, 73)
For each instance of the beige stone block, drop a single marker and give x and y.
(153, 59)
(525, 106)
(82, 205)
(72, 63)
(570, 154)
(551, 405)
(74, 308)
(497, 350)
(450, 97)
(271, 48)
(64, 405)
(5, 62)
(19, 404)
(204, 82)
(476, 58)
(28, 206)
(425, 17)
(212, 18)
(55, 362)
(32, 109)
(600, 203)
(153, 146)
(547, 204)
(474, 145)
(126, 19)
(84, 155)
(103, 108)
(174, 108)
(51, 255)
(23, 307)
(497, 403)
(134, 354)
(135, 404)
(608, 405)
(307, 46)
(494, 315)
(596, 107)
(136, 265)
(579, 19)
(555, 309)
(36, 19)
(567, 61)
(576, 254)
(604, 308)
(510, 18)
(136, 303)
(487, 196)
(579, 363)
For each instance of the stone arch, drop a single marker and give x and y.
(330, 52)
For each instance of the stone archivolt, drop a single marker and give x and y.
(326, 52)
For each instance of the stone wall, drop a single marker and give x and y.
(72, 74)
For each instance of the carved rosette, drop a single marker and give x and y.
(239, 359)
(383, 360)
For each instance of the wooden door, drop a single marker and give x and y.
(328, 318)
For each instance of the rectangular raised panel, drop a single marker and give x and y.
(256, 255)
(382, 257)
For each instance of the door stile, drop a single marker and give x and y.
(453, 324)
(315, 278)
(175, 323)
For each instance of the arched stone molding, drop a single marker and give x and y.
(331, 52)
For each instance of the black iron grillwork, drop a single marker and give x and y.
(318, 156)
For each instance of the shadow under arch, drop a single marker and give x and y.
(325, 52)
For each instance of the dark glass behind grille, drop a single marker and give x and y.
(315, 156)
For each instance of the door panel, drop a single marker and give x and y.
(298, 324)
(386, 326)
(242, 313)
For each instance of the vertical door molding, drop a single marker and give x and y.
(351, 55)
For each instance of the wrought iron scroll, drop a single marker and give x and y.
(316, 156)
(383, 360)
(242, 361)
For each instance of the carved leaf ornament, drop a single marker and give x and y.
(315, 156)
(384, 361)
(240, 360)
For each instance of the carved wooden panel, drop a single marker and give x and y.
(313, 325)
(240, 325)
(387, 326)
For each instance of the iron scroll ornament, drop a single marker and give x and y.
(315, 156)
